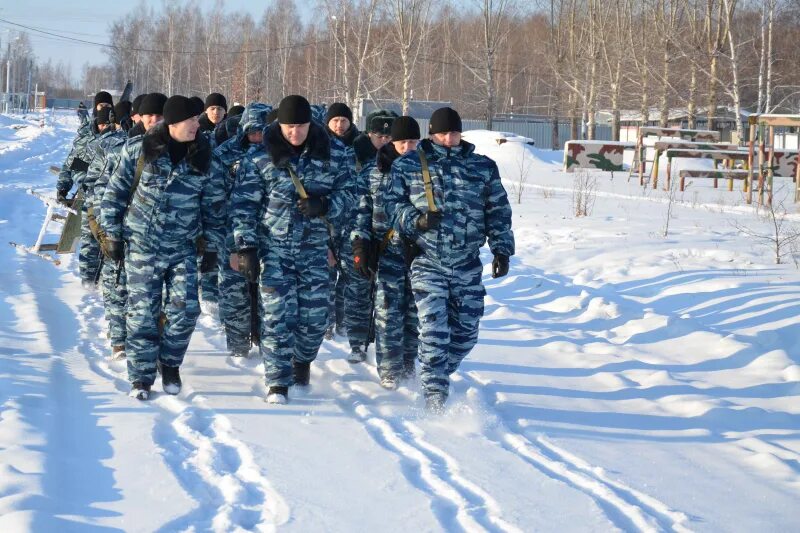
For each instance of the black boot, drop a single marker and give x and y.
(278, 395)
(170, 379)
(140, 391)
(302, 373)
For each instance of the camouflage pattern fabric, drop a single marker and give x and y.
(73, 171)
(784, 163)
(170, 208)
(598, 155)
(446, 277)
(396, 331)
(234, 296)
(295, 280)
(115, 295)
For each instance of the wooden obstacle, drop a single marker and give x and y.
(640, 150)
(728, 157)
(763, 127)
(716, 175)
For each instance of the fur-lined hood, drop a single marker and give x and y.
(386, 157)
(155, 144)
(318, 145)
(364, 149)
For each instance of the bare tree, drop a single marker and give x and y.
(409, 20)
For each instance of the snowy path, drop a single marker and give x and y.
(621, 382)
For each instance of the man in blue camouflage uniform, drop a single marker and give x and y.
(357, 304)
(468, 204)
(378, 253)
(73, 172)
(160, 221)
(106, 149)
(234, 291)
(294, 188)
(115, 294)
(339, 125)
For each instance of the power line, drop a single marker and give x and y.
(157, 51)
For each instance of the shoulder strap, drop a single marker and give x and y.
(136, 177)
(426, 178)
(298, 185)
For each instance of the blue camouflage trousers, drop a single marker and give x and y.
(88, 252)
(357, 305)
(156, 285)
(396, 332)
(450, 306)
(295, 285)
(234, 304)
(209, 282)
(115, 296)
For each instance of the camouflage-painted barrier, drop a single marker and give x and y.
(784, 163)
(598, 155)
(726, 156)
(716, 175)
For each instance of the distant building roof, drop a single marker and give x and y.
(416, 108)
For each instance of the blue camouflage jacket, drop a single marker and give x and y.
(77, 162)
(172, 205)
(372, 221)
(265, 191)
(101, 156)
(466, 189)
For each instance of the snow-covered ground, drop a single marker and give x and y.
(623, 381)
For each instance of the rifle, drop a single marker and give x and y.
(376, 251)
(255, 323)
(301, 192)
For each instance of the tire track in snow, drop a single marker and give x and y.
(455, 500)
(213, 467)
(627, 507)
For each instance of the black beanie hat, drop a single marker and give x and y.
(294, 109)
(443, 120)
(153, 104)
(236, 110)
(103, 98)
(405, 128)
(177, 109)
(338, 109)
(104, 115)
(216, 99)
(136, 103)
(199, 105)
(122, 110)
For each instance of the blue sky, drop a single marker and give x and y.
(88, 19)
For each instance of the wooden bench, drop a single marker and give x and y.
(716, 175)
(726, 156)
(598, 155)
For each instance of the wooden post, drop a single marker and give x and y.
(748, 182)
(771, 163)
(761, 133)
(639, 150)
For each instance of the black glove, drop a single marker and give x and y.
(249, 266)
(499, 266)
(209, 262)
(114, 250)
(361, 257)
(429, 220)
(313, 206)
(62, 198)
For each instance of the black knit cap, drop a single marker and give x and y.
(405, 128)
(136, 103)
(199, 105)
(153, 104)
(177, 109)
(338, 109)
(216, 99)
(443, 120)
(122, 110)
(235, 110)
(294, 109)
(103, 98)
(104, 115)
